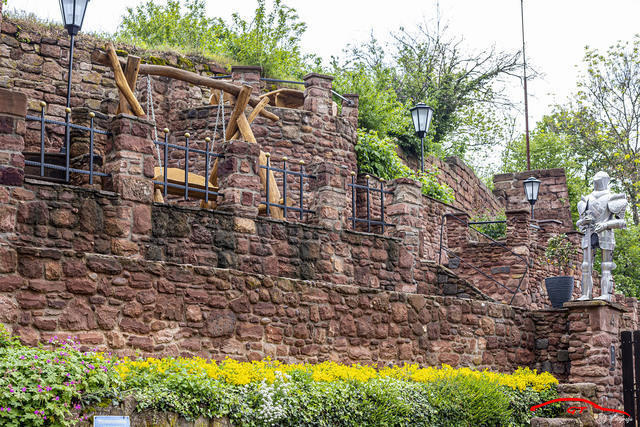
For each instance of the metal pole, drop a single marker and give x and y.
(422, 154)
(526, 102)
(532, 216)
(70, 70)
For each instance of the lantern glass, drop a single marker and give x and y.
(531, 189)
(73, 14)
(421, 115)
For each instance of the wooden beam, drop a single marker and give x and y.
(238, 110)
(254, 114)
(121, 81)
(190, 77)
(131, 74)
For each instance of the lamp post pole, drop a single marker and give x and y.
(70, 71)
(422, 154)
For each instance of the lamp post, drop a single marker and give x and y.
(421, 115)
(531, 188)
(72, 16)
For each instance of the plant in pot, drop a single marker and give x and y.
(560, 256)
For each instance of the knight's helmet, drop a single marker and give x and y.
(600, 181)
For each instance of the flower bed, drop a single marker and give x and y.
(61, 386)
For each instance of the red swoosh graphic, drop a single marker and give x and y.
(576, 399)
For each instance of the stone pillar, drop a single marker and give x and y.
(317, 93)
(594, 333)
(350, 108)
(13, 109)
(519, 231)
(405, 212)
(457, 231)
(247, 75)
(238, 178)
(130, 158)
(130, 161)
(330, 196)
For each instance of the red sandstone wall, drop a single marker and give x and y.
(123, 305)
(553, 200)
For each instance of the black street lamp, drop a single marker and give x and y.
(421, 115)
(531, 188)
(72, 16)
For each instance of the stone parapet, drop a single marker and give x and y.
(350, 108)
(329, 188)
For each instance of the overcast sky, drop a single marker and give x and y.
(556, 30)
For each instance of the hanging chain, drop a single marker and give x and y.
(215, 128)
(153, 117)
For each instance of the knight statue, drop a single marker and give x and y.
(600, 213)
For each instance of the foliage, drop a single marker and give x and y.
(459, 84)
(271, 39)
(159, 25)
(368, 76)
(378, 156)
(495, 231)
(627, 259)
(62, 382)
(49, 387)
(268, 392)
(561, 253)
(602, 123)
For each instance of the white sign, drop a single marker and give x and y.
(110, 421)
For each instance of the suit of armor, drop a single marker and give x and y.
(600, 213)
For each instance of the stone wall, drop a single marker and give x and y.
(553, 199)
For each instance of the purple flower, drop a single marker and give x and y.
(22, 357)
(56, 398)
(24, 389)
(35, 357)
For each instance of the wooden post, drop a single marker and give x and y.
(238, 110)
(121, 81)
(131, 74)
(256, 110)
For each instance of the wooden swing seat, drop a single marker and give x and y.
(176, 176)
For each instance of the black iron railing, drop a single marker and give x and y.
(284, 204)
(66, 168)
(202, 190)
(630, 349)
(488, 276)
(368, 189)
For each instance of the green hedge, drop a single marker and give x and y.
(61, 386)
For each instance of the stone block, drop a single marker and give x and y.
(13, 103)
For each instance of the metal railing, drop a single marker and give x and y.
(183, 187)
(66, 168)
(286, 172)
(354, 214)
(488, 276)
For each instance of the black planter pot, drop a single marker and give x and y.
(559, 289)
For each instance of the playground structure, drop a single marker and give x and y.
(239, 126)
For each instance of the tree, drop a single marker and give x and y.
(460, 85)
(371, 78)
(602, 122)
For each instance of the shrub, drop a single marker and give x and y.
(377, 156)
(495, 231)
(59, 383)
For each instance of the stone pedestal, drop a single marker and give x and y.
(238, 178)
(317, 93)
(594, 336)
